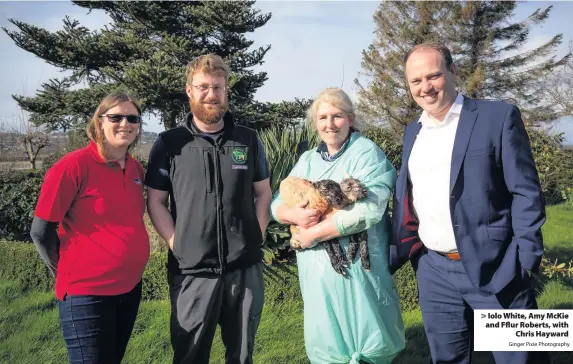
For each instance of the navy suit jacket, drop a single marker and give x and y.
(496, 204)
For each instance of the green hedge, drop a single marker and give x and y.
(20, 262)
(407, 288)
(19, 192)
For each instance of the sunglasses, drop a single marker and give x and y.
(118, 118)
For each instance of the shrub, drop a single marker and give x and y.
(283, 149)
(18, 196)
(50, 160)
(389, 142)
(407, 286)
(19, 192)
(77, 139)
(21, 262)
(554, 164)
(155, 278)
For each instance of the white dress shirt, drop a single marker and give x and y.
(429, 168)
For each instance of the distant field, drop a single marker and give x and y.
(11, 150)
(141, 151)
(4, 166)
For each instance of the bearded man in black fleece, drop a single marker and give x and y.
(214, 175)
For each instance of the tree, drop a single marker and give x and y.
(488, 50)
(8, 142)
(144, 50)
(400, 25)
(493, 60)
(559, 87)
(23, 137)
(285, 114)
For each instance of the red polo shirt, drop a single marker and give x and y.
(104, 246)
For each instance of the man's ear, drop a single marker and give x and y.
(188, 90)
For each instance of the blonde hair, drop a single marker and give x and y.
(211, 64)
(94, 129)
(338, 98)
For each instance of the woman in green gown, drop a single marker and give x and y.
(354, 318)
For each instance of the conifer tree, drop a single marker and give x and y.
(399, 25)
(144, 50)
(495, 62)
(489, 52)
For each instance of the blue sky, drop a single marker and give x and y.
(313, 45)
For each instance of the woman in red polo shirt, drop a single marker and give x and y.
(88, 228)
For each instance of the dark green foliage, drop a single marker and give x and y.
(77, 138)
(144, 50)
(389, 142)
(155, 278)
(20, 262)
(285, 114)
(407, 286)
(283, 148)
(50, 160)
(58, 108)
(18, 196)
(554, 164)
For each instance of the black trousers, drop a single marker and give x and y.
(200, 302)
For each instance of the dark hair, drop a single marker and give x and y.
(446, 54)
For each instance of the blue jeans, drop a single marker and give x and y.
(97, 328)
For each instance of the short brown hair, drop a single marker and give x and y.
(211, 64)
(94, 129)
(446, 54)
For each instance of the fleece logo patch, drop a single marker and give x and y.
(137, 181)
(239, 156)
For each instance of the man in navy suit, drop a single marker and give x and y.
(468, 208)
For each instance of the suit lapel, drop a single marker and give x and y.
(409, 142)
(406, 150)
(466, 124)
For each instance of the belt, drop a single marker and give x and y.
(451, 256)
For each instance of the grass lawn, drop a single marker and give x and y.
(558, 233)
(30, 333)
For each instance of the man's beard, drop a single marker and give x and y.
(208, 115)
